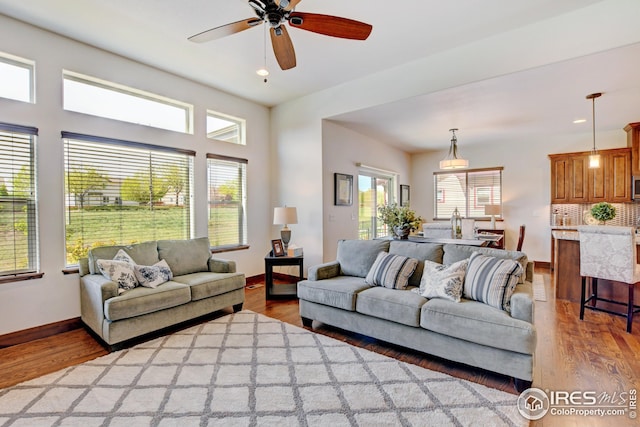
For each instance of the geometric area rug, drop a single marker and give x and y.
(246, 369)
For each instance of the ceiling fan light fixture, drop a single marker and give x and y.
(594, 157)
(452, 161)
(262, 72)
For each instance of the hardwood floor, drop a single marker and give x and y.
(572, 355)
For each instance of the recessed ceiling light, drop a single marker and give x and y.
(577, 121)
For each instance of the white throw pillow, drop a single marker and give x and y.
(151, 276)
(491, 280)
(119, 270)
(443, 281)
(391, 271)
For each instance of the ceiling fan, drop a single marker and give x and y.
(275, 13)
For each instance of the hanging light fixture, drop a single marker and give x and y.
(263, 72)
(452, 161)
(594, 157)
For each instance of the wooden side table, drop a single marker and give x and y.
(281, 290)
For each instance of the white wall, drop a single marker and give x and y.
(342, 148)
(526, 181)
(55, 297)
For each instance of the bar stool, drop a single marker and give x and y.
(608, 252)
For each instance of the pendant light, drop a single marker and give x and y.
(452, 161)
(594, 157)
(264, 72)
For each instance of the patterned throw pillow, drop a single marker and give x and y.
(391, 271)
(491, 280)
(119, 270)
(151, 276)
(443, 281)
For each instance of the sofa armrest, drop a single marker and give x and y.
(324, 271)
(217, 265)
(95, 289)
(522, 302)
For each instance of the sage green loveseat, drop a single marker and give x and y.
(200, 285)
(469, 332)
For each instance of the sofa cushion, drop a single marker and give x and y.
(357, 256)
(420, 251)
(454, 253)
(141, 300)
(443, 281)
(120, 269)
(142, 253)
(185, 256)
(491, 280)
(339, 292)
(479, 323)
(391, 271)
(205, 284)
(400, 306)
(151, 276)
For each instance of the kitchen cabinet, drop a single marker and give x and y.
(633, 142)
(573, 182)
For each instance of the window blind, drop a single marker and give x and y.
(227, 178)
(18, 201)
(469, 191)
(121, 192)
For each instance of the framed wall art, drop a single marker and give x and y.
(343, 189)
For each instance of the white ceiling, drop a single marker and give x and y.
(155, 32)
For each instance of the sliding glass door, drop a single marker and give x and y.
(373, 190)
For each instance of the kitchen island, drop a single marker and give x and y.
(566, 271)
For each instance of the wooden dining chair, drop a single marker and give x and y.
(608, 252)
(520, 238)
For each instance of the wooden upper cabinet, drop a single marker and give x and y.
(633, 142)
(573, 182)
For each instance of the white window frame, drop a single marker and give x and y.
(28, 202)
(242, 240)
(465, 210)
(239, 123)
(18, 62)
(123, 111)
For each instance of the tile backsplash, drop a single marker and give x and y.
(626, 213)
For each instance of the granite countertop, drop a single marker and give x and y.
(574, 235)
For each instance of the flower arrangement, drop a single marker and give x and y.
(603, 211)
(399, 219)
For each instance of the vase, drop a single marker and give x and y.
(401, 232)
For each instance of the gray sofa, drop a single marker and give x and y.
(200, 285)
(468, 332)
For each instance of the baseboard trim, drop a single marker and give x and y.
(38, 332)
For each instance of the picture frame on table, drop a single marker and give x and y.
(405, 198)
(277, 247)
(343, 189)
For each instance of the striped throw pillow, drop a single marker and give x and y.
(491, 280)
(391, 271)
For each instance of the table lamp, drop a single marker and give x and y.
(492, 210)
(285, 215)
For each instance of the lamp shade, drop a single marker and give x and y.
(492, 209)
(285, 215)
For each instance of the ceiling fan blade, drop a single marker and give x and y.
(330, 25)
(225, 30)
(283, 47)
(287, 4)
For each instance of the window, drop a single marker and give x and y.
(469, 191)
(101, 98)
(16, 78)
(18, 203)
(375, 188)
(225, 128)
(119, 192)
(227, 201)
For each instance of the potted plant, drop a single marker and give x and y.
(603, 212)
(400, 220)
